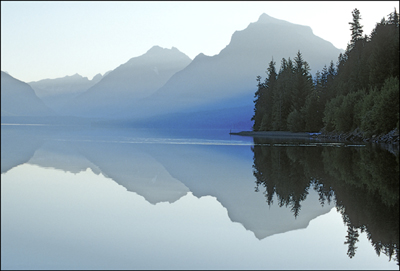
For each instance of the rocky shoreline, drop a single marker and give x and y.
(390, 138)
(277, 134)
(356, 136)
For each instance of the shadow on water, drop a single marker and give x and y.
(362, 182)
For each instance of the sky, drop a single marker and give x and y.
(41, 40)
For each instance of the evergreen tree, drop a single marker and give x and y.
(302, 88)
(303, 83)
(264, 100)
(361, 73)
(282, 95)
(394, 18)
(354, 52)
(329, 91)
(313, 109)
(258, 105)
(356, 28)
(269, 86)
(384, 52)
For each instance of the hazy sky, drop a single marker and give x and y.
(53, 39)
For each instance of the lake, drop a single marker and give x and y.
(78, 197)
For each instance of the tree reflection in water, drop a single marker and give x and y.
(363, 182)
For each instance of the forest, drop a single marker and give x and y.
(358, 93)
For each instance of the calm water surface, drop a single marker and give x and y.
(108, 198)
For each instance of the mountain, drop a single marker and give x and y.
(228, 79)
(55, 93)
(139, 77)
(19, 99)
(164, 87)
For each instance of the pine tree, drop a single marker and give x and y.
(303, 86)
(384, 51)
(263, 102)
(258, 105)
(394, 18)
(282, 95)
(356, 27)
(303, 82)
(315, 102)
(269, 86)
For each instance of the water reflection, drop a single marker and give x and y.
(164, 172)
(362, 182)
(180, 170)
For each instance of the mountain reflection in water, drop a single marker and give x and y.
(173, 167)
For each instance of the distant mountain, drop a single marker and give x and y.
(56, 93)
(228, 79)
(19, 99)
(163, 87)
(141, 76)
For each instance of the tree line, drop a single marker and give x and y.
(360, 91)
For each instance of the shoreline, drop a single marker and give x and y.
(389, 138)
(276, 134)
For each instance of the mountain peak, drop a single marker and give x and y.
(75, 76)
(266, 19)
(97, 77)
(155, 48)
(158, 49)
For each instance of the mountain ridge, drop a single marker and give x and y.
(56, 92)
(19, 99)
(138, 77)
(231, 74)
(164, 81)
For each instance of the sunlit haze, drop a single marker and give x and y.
(42, 40)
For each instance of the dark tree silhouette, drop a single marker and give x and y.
(360, 92)
(356, 27)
